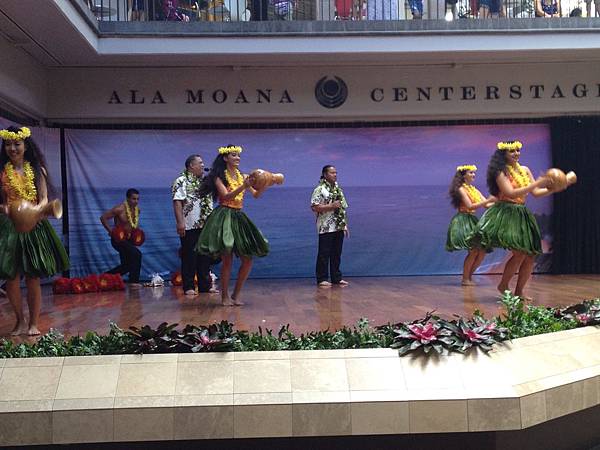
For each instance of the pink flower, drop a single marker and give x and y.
(583, 318)
(204, 339)
(472, 336)
(424, 333)
(491, 326)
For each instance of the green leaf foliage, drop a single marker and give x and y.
(429, 334)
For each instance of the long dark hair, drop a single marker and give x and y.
(497, 164)
(217, 170)
(324, 170)
(34, 156)
(455, 184)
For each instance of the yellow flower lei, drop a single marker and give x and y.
(234, 184)
(23, 133)
(519, 175)
(230, 149)
(467, 167)
(135, 220)
(473, 193)
(23, 186)
(515, 145)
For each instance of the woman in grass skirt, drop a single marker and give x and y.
(228, 230)
(508, 223)
(467, 199)
(39, 252)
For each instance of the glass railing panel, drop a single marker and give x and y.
(336, 10)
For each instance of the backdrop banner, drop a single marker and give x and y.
(395, 180)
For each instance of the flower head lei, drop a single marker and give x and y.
(23, 133)
(230, 149)
(467, 167)
(510, 145)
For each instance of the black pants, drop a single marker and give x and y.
(193, 263)
(131, 260)
(329, 257)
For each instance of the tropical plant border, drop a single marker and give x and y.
(430, 334)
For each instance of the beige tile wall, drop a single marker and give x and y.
(304, 393)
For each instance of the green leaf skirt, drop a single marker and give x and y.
(38, 253)
(460, 229)
(230, 230)
(509, 226)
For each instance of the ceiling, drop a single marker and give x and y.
(63, 33)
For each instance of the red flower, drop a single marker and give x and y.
(424, 333)
(77, 286)
(61, 286)
(90, 283)
(117, 282)
(105, 282)
(176, 279)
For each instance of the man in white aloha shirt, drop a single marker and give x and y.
(329, 203)
(191, 212)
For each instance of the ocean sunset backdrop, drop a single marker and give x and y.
(395, 180)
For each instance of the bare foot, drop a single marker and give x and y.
(33, 331)
(502, 288)
(214, 290)
(342, 283)
(237, 302)
(20, 328)
(324, 284)
(467, 283)
(524, 297)
(226, 301)
(190, 292)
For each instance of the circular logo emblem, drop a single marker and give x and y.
(331, 92)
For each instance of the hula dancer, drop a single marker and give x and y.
(228, 230)
(34, 254)
(467, 199)
(508, 223)
(126, 218)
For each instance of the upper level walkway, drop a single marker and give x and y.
(336, 10)
(92, 33)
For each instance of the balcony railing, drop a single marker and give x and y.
(329, 10)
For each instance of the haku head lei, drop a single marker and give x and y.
(467, 168)
(509, 145)
(23, 133)
(230, 149)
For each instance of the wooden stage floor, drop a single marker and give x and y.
(297, 302)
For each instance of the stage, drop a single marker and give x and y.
(536, 392)
(298, 302)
